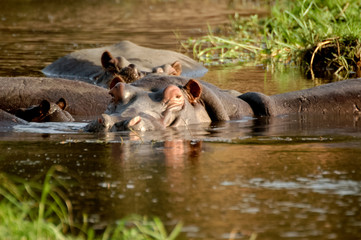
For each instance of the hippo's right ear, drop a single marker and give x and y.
(61, 103)
(115, 80)
(194, 90)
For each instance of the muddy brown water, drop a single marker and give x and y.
(285, 178)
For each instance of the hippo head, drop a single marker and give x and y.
(45, 112)
(174, 69)
(128, 72)
(134, 108)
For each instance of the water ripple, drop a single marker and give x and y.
(322, 186)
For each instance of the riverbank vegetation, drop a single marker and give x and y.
(41, 210)
(322, 37)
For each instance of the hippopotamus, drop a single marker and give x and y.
(157, 102)
(86, 64)
(83, 100)
(128, 72)
(45, 112)
(7, 121)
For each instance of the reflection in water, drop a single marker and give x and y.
(277, 189)
(34, 34)
(281, 177)
(257, 79)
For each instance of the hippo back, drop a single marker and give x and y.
(342, 98)
(86, 65)
(83, 99)
(7, 121)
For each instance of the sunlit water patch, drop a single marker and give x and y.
(51, 127)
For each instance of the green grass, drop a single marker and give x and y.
(320, 36)
(40, 209)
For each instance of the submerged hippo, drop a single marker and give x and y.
(83, 100)
(128, 72)
(86, 64)
(7, 121)
(45, 112)
(157, 102)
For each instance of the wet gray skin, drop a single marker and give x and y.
(7, 121)
(341, 98)
(83, 99)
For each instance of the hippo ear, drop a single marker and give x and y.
(110, 63)
(106, 59)
(194, 90)
(115, 80)
(44, 106)
(61, 103)
(177, 66)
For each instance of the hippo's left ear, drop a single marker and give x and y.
(194, 90)
(61, 103)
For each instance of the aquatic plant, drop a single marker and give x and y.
(40, 209)
(318, 35)
(31, 210)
